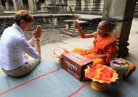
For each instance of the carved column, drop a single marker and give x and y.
(136, 9)
(122, 10)
(65, 7)
(53, 2)
(96, 7)
(35, 4)
(86, 5)
(1, 8)
(32, 5)
(16, 5)
(7, 5)
(65, 1)
(60, 2)
(59, 5)
(78, 6)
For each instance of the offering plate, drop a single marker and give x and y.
(101, 75)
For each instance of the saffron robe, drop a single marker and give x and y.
(102, 45)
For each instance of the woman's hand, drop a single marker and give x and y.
(37, 33)
(76, 25)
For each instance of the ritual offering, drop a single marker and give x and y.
(59, 53)
(75, 64)
(121, 66)
(100, 75)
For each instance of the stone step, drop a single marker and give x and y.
(88, 26)
(66, 32)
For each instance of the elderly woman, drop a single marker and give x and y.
(14, 46)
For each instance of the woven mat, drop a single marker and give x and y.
(49, 79)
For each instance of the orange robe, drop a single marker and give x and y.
(102, 45)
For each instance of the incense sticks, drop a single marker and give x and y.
(72, 13)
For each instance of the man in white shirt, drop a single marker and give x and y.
(13, 46)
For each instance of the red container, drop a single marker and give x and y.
(75, 64)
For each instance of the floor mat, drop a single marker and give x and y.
(49, 79)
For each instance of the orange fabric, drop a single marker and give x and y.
(26, 56)
(131, 68)
(103, 45)
(20, 7)
(99, 61)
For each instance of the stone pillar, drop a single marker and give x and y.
(86, 5)
(136, 9)
(78, 6)
(1, 8)
(60, 2)
(7, 5)
(65, 7)
(16, 5)
(53, 2)
(96, 7)
(32, 5)
(65, 1)
(120, 10)
(35, 4)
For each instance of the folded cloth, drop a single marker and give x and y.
(131, 68)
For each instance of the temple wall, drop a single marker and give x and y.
(46, 21)
(61, 6)
(57, 6)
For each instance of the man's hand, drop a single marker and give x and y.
(98, 56)
(94, 56)
(76, 25)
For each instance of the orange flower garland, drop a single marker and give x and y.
(100, 73)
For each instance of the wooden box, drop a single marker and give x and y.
(75, 64)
